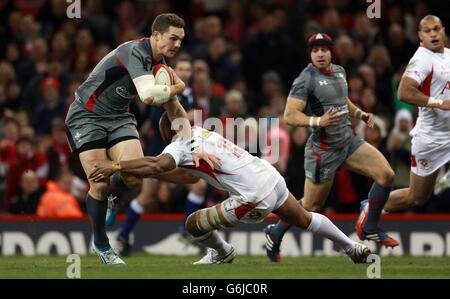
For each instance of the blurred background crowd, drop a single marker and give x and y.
(239, 58)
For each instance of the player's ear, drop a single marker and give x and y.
(156, 35)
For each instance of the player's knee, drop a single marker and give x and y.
(419, 199)
(205, 220)
(191, 225)
(132, 182)
(386, 178)
(98, 190)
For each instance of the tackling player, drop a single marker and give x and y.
(255, 187)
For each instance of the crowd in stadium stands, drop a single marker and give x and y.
(245, 55)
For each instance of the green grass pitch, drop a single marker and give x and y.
(160, 266)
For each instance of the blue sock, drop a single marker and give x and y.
(118, 184)
(378, 195)
(97, 212)
(277, 232)
(134, 212)
(190, 207)
(193, 203)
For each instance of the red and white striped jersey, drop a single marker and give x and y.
(432, 71)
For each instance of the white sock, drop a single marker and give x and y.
(137, 207)
(213, 240)
(323, 226)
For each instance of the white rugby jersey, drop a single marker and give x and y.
(240, 173)
(432, 71)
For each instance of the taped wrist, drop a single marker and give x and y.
(433, 103)
(146, 88)
(358, 113)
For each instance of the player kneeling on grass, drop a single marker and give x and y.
(256, 190)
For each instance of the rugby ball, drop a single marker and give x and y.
(163, 75)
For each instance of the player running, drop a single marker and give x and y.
(99, 125)
(319, 99)
(256, 189)
(425, 83)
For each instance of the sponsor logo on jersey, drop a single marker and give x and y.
(204, 134)
(323, 82)
(123, 92)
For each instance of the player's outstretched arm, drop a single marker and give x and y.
(141, 167)
(177, 176)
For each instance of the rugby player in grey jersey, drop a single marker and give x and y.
(319, 99)
(100, 127)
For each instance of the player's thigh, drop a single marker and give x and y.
(316, 194)
(293, 213)
(89, 157)
(126, 150)
(238, 209)
(421, 187)
(368, 161)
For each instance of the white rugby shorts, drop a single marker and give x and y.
(237, 209)
(427, 157)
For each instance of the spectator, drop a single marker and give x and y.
(60, 46)
(344, 53)
(380, 61)
(9, 136)
(58, 201)
(211, 104)
(270, 49)
(234, 108)
(332, 23)
(26, 158)
(52, 106)
(28, 195)
(399, 46)
(295, 173)
(58, 154)
(222, 68)
(399, 147)
(35, 64)
(235, 23)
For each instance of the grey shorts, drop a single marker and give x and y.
(321, 165)
(86, 130)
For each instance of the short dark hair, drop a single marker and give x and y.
(429, 17)
(165, 20)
